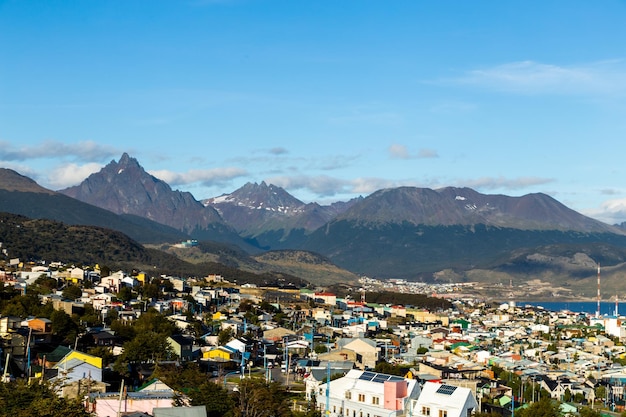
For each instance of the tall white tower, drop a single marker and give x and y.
(598, 309)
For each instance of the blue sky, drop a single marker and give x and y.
(328, 99)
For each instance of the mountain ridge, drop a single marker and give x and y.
(124, 187)
(23, 196)
(269, 214)
(450, 206)
(403, 232)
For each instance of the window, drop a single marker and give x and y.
(348, 395)
(375, 400)
(425, 411)
(443, 413)
(362, 398)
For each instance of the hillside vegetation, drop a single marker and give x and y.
(311, 267)
(37, 240)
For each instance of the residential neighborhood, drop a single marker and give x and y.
(126, 343)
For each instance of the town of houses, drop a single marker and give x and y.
(347, 356)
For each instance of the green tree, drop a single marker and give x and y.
(146, 340)
(542, 408)
(180, 378)
(63, 325)
(257, 398)
(104, 353)
(19, 399)
(90, 317)
(213, 396)
(567, 395)
(24, 306)
(224, 336)
(45, 284)
(151, 290)
(579, 397)
(387, 368)
(124, 330)
(143, 348)
(153, 321)
(197, 389)
(125, 294)
(320, 349)
(588, 412)
(72, 292)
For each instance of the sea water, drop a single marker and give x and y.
(590, 307)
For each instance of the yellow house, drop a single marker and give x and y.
(219, 354)
(90, 359)
(142, 278)
(218, 316)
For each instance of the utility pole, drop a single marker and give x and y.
(119, 407)
(328, 387)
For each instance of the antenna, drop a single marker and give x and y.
(598, 310)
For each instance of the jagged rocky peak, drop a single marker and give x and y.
(124, 187)
(259, 196)
(126, 160)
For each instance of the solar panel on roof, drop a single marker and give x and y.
(395, 378)
(367, 376)
(380, 378)
(446, 389)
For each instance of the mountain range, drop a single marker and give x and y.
(405, 232)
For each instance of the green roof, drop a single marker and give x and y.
(57, 354)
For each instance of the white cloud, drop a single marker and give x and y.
(610, 211)
(493, 183)
(206, 177)
(427, 153)
(369, 185)
(529, 77)
(320, 185)
(83, 151)
(325, 186)
(67, 175)
(21, 169)
(278, 151)
(398, 151)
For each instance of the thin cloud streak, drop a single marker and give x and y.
(205, 177)
(491, 183)
(278, 151)
(325, 186)
(84, 151)
(529, 77)
(398, 151)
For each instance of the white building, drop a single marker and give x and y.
(442, 400)
(363, 394)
